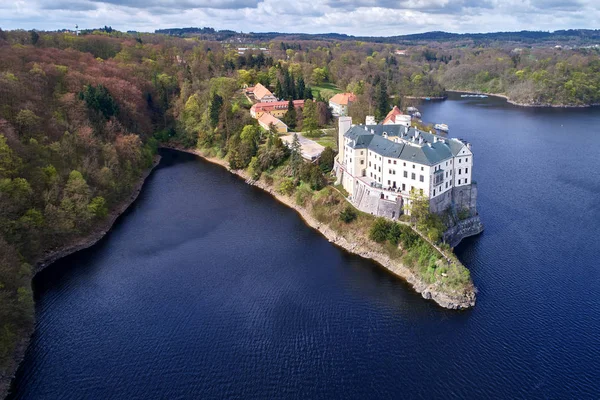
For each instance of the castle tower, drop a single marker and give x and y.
(344, 124)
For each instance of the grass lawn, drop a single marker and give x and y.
(327, 139)
(325, 86)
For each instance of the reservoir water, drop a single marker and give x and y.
(209, 288)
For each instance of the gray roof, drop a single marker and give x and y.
(429, 152)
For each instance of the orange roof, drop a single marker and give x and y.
(268, 119)
(392, 115)
(343, 98)
(275, 105)
(260, 91)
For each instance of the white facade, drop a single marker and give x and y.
(393, 177)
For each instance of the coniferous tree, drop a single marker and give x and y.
(215, 109)
(295, 156)
(300, 88)
(381, 100)
(290, 117)
(279, 90)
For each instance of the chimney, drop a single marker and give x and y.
(372, 131)
(420, 139)
(435, 139)
(469, 146)
(344, 124)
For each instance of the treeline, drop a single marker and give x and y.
(529, 76)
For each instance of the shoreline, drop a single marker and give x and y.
(54, 255)
(514, 103)
(427, 291)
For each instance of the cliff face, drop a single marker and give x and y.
(465, 228)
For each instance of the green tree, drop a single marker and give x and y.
(326, 160)
(310, 123)
(10, 163)
(99, 99)
(290, 116)
(215, 109)
(97, 207)
(295, 155)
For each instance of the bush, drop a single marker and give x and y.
(394, 234)
(348, 214)
(303, 194)
(286, 187)
(379, 230)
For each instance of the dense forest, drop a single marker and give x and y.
(81, 118)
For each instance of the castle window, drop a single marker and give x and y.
(460, 171)
(403, 187)
(405, 164)
(459, 160)
(422, 169)
(465, 181)
(413, 176)
(394, 162)
(434, 192)
(421, 178)
(389, 161)
(466, 170)
(389, 182)
(459, 181)
(405, 174)
(362, 162)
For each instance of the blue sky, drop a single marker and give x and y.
(355, 17)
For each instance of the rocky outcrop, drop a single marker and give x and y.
(469, 227)
(456, 301)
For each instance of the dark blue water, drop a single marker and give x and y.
(208, 288)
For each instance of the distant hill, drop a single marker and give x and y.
(571, 36)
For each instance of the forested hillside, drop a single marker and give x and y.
(75, 135)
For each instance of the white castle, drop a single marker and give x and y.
(379, 166)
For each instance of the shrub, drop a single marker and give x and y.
(348, 214)
(303, 194)
(286, 187)
(394, 234)
(379, 230)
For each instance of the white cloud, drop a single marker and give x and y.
(353, 17)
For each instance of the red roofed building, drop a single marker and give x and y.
(340, 102)
(276, 108)
(266, 120)
(260, 94)
(396, 117)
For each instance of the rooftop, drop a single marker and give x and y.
(409, 144)
(343, 98)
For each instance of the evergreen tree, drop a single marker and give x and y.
(295, 155)
(300, 88)
(215, 109)
(279, 90)
(309, 121)
(307, 93)
(290, 117)
(381, 100)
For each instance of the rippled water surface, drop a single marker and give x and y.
(209, 288)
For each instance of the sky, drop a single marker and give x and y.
(352, 17)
